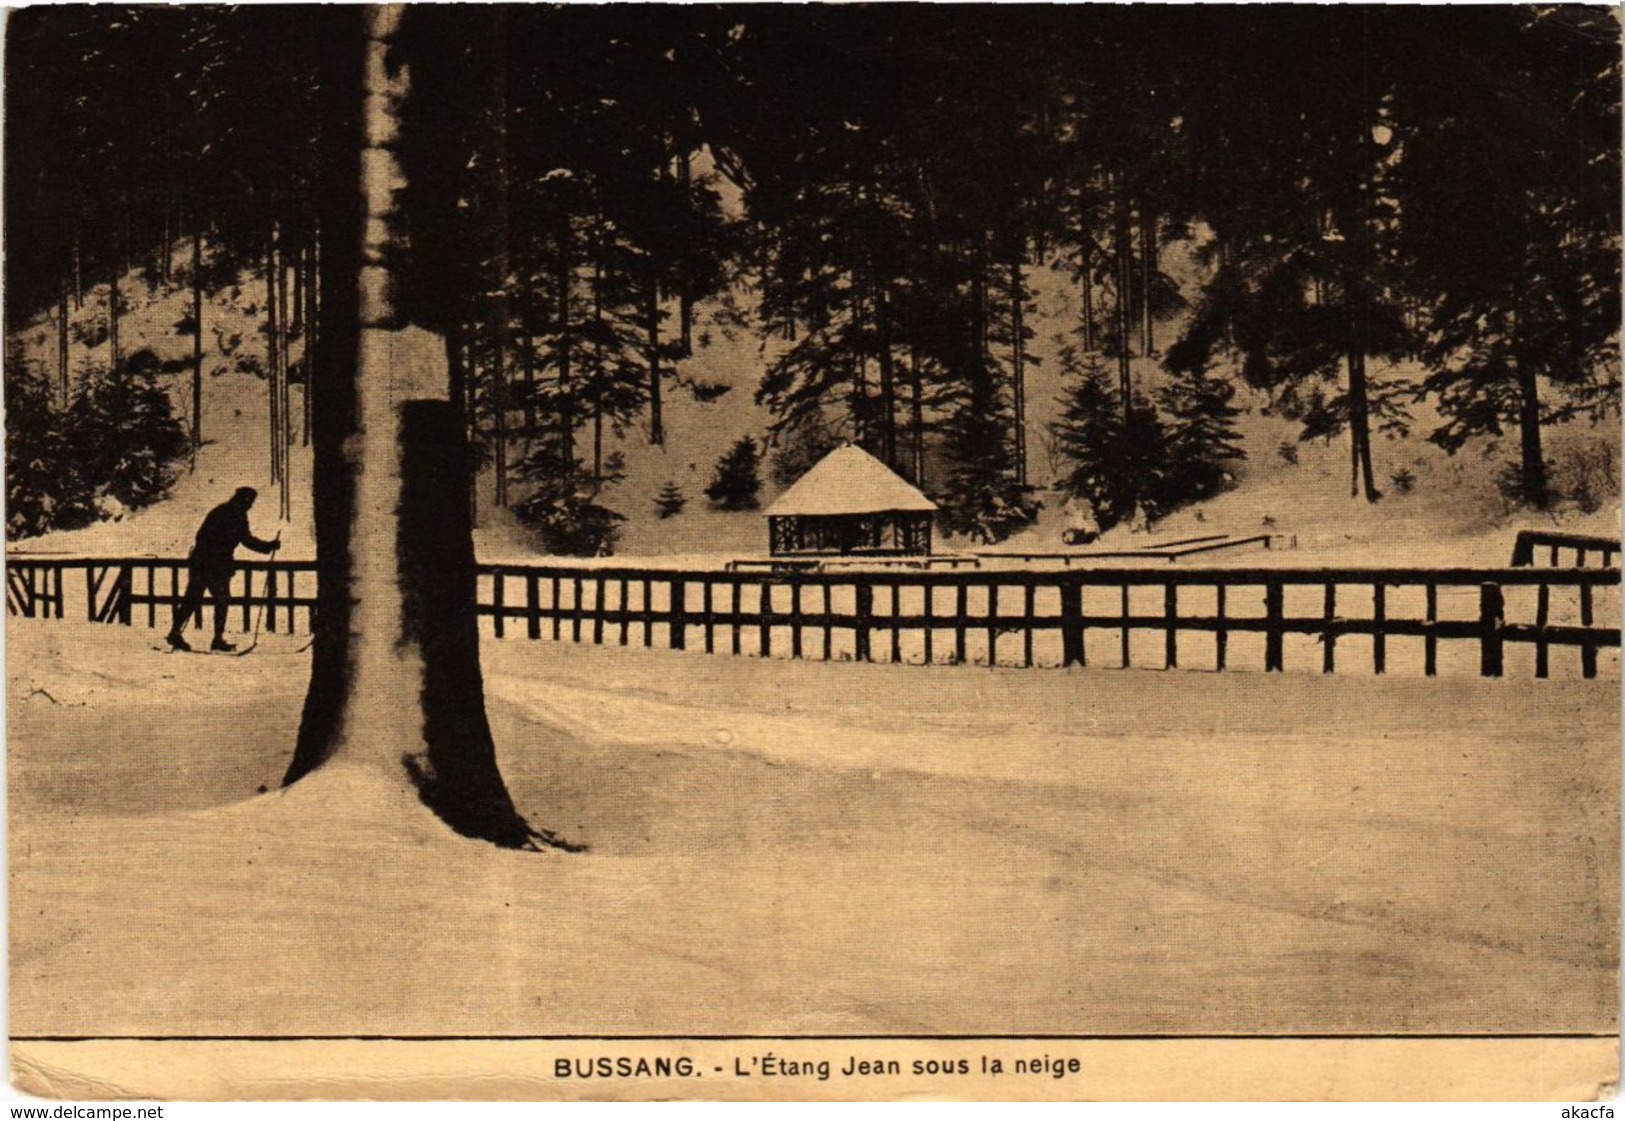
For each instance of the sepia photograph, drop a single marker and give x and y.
(813, 552)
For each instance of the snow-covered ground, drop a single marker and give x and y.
(799, 847)
(804, 848)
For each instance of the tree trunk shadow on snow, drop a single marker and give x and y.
(458, 778)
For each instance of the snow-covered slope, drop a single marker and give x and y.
(1452, 510)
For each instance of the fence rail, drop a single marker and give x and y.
(1441, 620)
(149, 589)
(1559, 545)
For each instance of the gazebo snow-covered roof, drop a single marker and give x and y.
(850, 481)
(850, 502)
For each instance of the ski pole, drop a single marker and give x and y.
(264, 601)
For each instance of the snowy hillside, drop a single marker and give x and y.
(1436, 507)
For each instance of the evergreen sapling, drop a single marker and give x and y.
(738, 477)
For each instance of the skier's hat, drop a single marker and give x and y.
(245, 494)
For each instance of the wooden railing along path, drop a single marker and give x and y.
(1451, 620)
(148, 589)
(1559, 546)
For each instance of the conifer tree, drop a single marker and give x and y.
(983, 497)
(738, 477)
(123, 436)
(1202, 438)
(1118, 459)
(670, 501)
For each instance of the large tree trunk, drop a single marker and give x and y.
(112, 318)
(272, 359)
(296, 316)
(1018, 363)
(197, 339)
(1360, 429)
(1086, 267)
(1532, 459)
(500, 311)
(62, 338)
(527, 357)
(1125, 277)
(396, 689)
(284, 433)
(651, 311)
(1357, 294)
(567, 413)
(685, 294)
(888, 379)
(312, 326)
(598, 368)
(1148, 275)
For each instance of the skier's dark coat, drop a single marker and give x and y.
(222, 531)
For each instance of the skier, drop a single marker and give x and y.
(210, 565)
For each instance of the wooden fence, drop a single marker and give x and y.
(1560, 547)
(1111, 617)
(148, 590)
(1449, 620)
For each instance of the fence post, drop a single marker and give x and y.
(896, 589)
(1029, 595)
(1430, 643)
(1170, 613)
(1379, 623)
(533, 606)
(270, 600)
(648, 613)
(764, 607)
(1491, 608)
(599, 583)
(576, 608)
(864, 595)
(626, 609)
(497, 624)
(1221, 640)
(1523, 549)
(961, 613)
(1543, 611)
(678, 639)
(1275, 627)
(1588, 650)
(992, 626)
(1328, 637)
(929, 591)
(829, 628)
(1072, 624)
(1125, 639)
(795, 616)
(126, 577)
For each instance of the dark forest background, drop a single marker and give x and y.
(1440, 184)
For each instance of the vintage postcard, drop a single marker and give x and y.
(813, 552)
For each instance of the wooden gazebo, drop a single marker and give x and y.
(850, 502)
